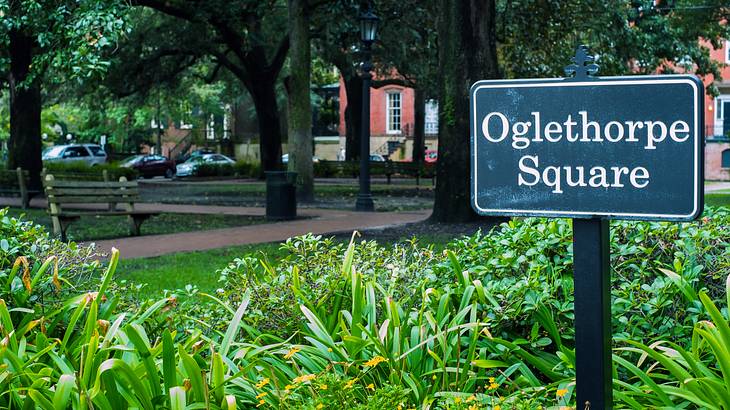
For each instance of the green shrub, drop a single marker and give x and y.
(36, 269)
(487, 322)
(245, 169)
(240, 169)
(82, 171)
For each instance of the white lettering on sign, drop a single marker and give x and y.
(496, 128)
(598, 177)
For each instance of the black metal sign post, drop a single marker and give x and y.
(592, 304)
(591, 149)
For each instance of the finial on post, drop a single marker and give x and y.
(583, 66)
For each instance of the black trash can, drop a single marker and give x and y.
(281, 195)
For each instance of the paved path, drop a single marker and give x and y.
(717, 186)
(327, 222)
(319, 221)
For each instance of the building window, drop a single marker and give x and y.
(393, 114)
(725, 159)
(431, 119)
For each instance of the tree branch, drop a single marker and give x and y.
(165, 7)
(278, 61)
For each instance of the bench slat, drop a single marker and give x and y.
(91, 199)
(91, 191)
(75, 214)
(89, 184)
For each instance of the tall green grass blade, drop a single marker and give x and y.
(64, 388)
(169, 365)
(235, 324)
(177, 398)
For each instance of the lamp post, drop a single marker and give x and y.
(368, 29)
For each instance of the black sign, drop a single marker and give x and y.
(612, 147)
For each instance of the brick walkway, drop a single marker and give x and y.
(319, 221)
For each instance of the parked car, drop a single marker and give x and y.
(150, 166)
(377, 158)
(188, 167)
(285, 159)
(194, 153)
(90, 154)
(431, 156)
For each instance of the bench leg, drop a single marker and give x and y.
(135, 222)
(63, 225)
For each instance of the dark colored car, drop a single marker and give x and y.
(150, 166)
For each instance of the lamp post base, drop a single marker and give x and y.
(364, 203)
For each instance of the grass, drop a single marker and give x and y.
(327, 195)
(90, 228)
(718, 198)
(175, 271)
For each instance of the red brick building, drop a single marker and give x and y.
(717, 122)
(392, 119)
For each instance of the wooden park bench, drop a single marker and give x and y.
(15, 183)
(61, 193)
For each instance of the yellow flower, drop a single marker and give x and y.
(323, 387)
(320, 406)
(260, 395)
(371, 386)
(262, 383)
(471, 398)
(375, 361)
(561, 392)
(261, 403)
(457, 400)
(433, 377)
(349, 384)
(289, 387)
(291, 353)
(493, 386)
(491, 380)
(473, 407)
(497, 407)
(304, 378)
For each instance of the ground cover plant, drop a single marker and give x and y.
(486, 322)
(89, 228)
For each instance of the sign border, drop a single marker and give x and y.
(699, 143)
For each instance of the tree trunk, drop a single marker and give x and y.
(24, 146)
(353, 117)
(419, 131)
(263, 93)
(300, 107)
(467, 53)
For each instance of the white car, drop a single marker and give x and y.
(89, 154)
(285, 159)
(188, 167)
